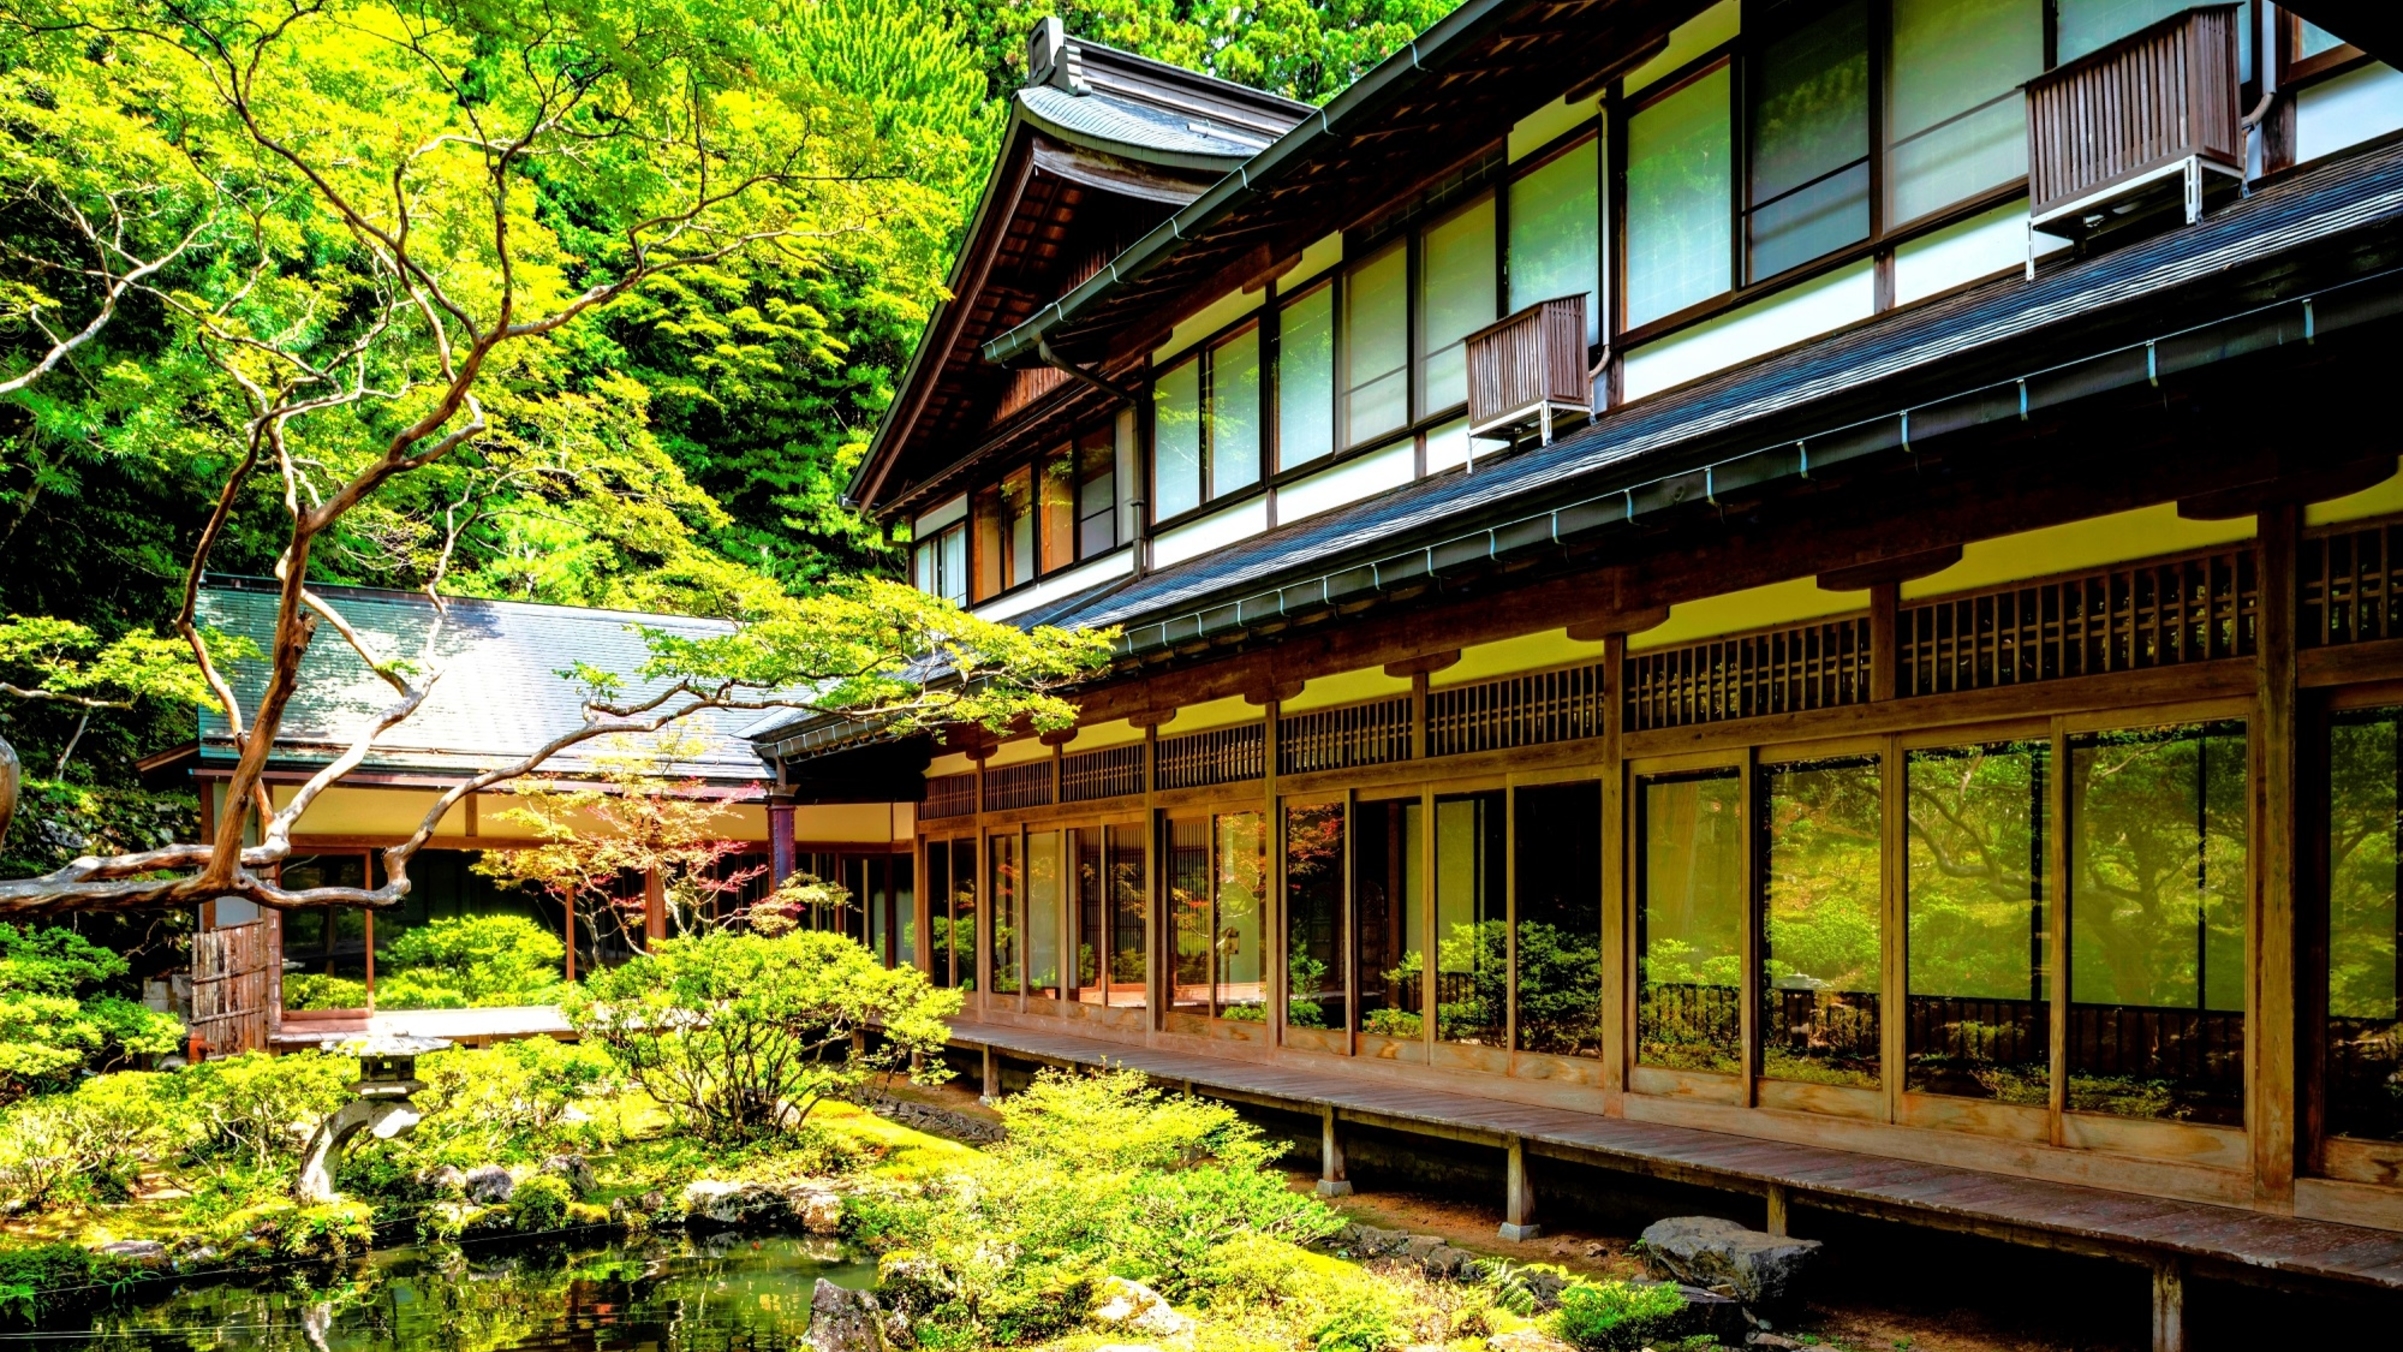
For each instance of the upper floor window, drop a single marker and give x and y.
(1956, 121)
(1206, 420)
(1456, 294)
(1555, 245)
(1809, 128)
(1679, 180)
(1376, 344)
(1306, 376)
(939, 563)
(1041, 517)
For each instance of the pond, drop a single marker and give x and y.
(662, 1294)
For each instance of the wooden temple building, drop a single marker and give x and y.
(1802, 596)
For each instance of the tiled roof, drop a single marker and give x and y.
(500, 697)
(1947, 340)
(1126, 123)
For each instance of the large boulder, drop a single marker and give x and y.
(820, 1210)
(443, 1180)
(489, 1185)
(843, 1320)
(1754, 1267)
(1132, 1307)
(715, 1202)
(147, 1253)
(575, 1170)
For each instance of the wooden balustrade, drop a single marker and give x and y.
(949, 796)
(1527, 369)
(2156, 109)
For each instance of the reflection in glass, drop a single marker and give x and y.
(1679, 180)
(2157, 887)
(1237, 918)
(1235, 413)
(1043, 900)
(1472, 934)
(1690, 924)
(1555, 233)
(1004, 889)
(1388, 934)
(1810, 141)
(2364, 1038)
(1314, 978)
(905, 910)
(1376, 328)
(1979, 1018)
(1822, 921)
(1560, 919)
(1109, 916)
(1176, 440)
(1130, 971)
(1056, 504)
(1189, 912)
(1306, 377)
(1957, 121)
(1096, 492)
(1455, 299)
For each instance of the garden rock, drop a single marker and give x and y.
(1369, 1241)
(710, 1201)
(1137, 1308)
(575, 1170)
(489, 1184)
(147, 1253)
(843, 1320)
(1443, 1263)
(819, 1211)
(1755, 1267)
(443, 1180)
(1527, 1340)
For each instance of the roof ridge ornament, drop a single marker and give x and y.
(1053, 58)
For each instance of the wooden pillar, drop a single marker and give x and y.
(1885, 604)
(1272, 906)
(1618, 967)
(1518, 1201)
(1780, 1204)
(654, 908)
(992, 1079)
(570, 907)
(2057, 903)
(780, 843)
(368, 919)
(2169, 1306)
(2276, 739)
(1332, 1181)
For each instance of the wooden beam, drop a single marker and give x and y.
(1424, 664)
(1619, 626)
(1272, 693)
(1901, 568)
(2298, 483)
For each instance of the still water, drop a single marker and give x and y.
(660, 1295)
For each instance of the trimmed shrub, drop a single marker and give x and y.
(476, 961)
(1618, 1316)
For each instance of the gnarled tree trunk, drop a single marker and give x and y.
(9, 775)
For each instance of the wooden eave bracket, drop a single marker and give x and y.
(1150, 718)
(1626, 622)
(1884, 572)
(1424, 664)
(1273, 692)
(2300, 486)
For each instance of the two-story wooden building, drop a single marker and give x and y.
(1803, 596)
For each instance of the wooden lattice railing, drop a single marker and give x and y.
(1342, 738)
(2114, 619)
(1017, 786)
(2351, 585)
(1777, 671)
(1111, 772)
(949, 796)
(1219, 756)
(2160, 96)
(1529, 363)
(1516, 711)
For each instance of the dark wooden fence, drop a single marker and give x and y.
(1528, 366)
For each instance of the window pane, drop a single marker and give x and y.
(1556, 234)
(2157, 889)
(1810, 121)
(1018, 527)
(1979, 1023)
(1314, 995)
(992, 542)
(1239, 875)
(1043, 901)
(963, 912)
(1306, 378)
(938, 909)
(1388, 935)
(1189, 912)
(1472, 969)
(1090, 910)
(1376, 337)
(2364, 1037)
(905, 910)
(1058, 507)
(952, 564)
(1003, 852)
(2090, 24)
(1560, 919)
(1456, 298)
(1235, 413)
(1176, 441)
(2314, 40)
(1679, 181)
(1690, 924)
(1128, 970)
(1822, 921)
(1959, 122)
(1096, 492)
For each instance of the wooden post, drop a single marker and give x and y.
(2169, 1306)
(1780, 1204)
(992, 1094)
(1885, 605)
(2276, 738)
(2056, 922)
(1518, 1202)
(654, 907)
(1272, 906)
(1618, 969)
(369, 918)
(571, 933)
(1332, 1182)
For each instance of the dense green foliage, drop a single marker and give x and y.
(472, 962)
(1617, 1316)
(54, 1019)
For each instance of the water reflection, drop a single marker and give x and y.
(700, 1295)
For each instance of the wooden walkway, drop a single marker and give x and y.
(474, 1027)
(2163, 1234)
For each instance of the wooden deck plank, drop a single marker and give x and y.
(2131, 1224)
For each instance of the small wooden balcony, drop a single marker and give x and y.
(2148, 125)
(1529, 369)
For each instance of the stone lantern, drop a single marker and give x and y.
(387, 1077)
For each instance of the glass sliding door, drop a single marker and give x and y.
(1978, 1020)
(1559, 919)
(1689, 940)
(1472, 968)
(1130, 970)
(1108, 913)
(1314, 941)
(1089, 913)
(2158, 881)
(1306, 377)
(2362, 1041)
(1238, 918)
(1045, 872)
(1004, 887)
(1823, 893)
(1388, 923)
(1189, 913)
